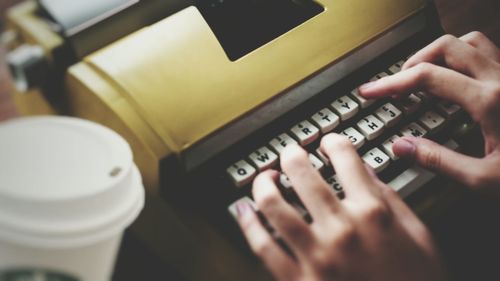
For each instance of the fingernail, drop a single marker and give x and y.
(243, 209)
(368, 85)
(290, 149)
(404, 148)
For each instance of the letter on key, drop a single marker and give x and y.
(305, 132)
(241, 173)
(389, 114)
(334, 182)
(345, 107)
(263, 158)
(355, 137)
(377, 160)
(413, 130)
(371, 127)
(280, 142)
(326, 120)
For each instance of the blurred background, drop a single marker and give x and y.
(458, 16)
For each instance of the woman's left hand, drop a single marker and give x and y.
(370, 235)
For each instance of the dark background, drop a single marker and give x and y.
(468, 234)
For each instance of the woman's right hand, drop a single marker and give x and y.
(470, 76)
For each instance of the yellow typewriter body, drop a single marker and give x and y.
(169, 88)
(180, 84)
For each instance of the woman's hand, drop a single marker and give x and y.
(370, 235)
(7, 106)
(466, 71)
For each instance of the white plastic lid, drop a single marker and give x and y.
(65, 182)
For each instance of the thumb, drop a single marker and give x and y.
(433, 156)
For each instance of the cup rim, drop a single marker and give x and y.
(96, 215)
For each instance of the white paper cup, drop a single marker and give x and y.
(68, 190)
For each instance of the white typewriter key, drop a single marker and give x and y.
(389, 114)
(397, 67)
(376, 159)
(305, 132)
(424, 96)
(241, 173)
(345, 107)
(449, 108)
(361, 100)
(326, 120)
(233, 209)
(387, 147)
(323, 157)
(263, 158)
(414, 178)
(432, 121)
(411, 103)
(334, 182)
(379, 76)
(355, 137)
(280, 142)
(317, 164)
(285, 181)
(413, 130)
(371, 127)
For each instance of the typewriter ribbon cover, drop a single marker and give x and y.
(170, 85)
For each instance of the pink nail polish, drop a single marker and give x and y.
(243, 208)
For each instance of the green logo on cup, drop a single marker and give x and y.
(34, 275)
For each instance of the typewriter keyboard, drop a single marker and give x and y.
(372, 127)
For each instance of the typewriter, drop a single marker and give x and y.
(209, 92)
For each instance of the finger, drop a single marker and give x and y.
(479, 41)
(263, 245)
(314, 192)
(286, 220)
(371, 172)
(439, 81)
(348, 166)
(402, 214)
(457, 55)
(435, 157)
